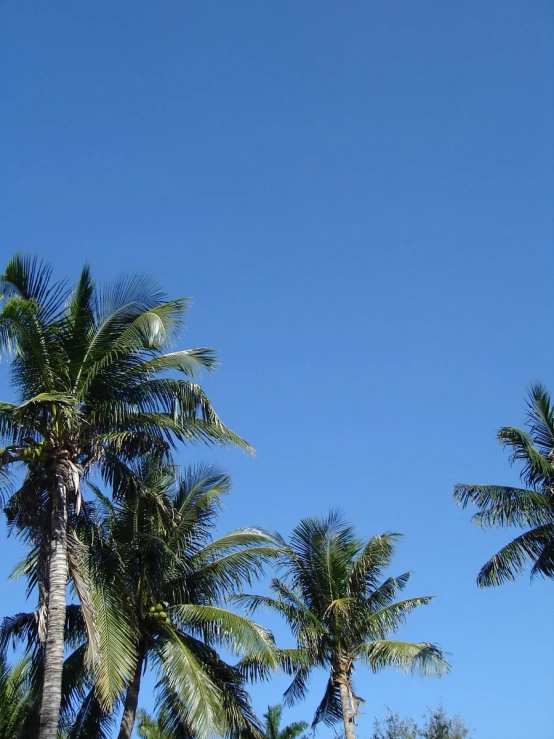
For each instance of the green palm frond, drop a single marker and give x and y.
(185, 677)
(329, 710)
(374, 558)
(112, 663)
(390, 618)
(298, 688)
(29, 278)
(189, 362)
(238, 634)
(385, 593)
(421, 658)
(506, 506)
(16, 699)
(91, 720)
(535, 547)
(540, 418)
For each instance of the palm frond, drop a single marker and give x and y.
(506, 506)
(534, 546)
(390, 618)
(238, 634)
(420, 658)
(329, 710)
(375, 557)
(538, 470)
(186, 677)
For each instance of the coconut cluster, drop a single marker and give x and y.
(157, 613)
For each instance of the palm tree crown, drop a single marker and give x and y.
(341, 612)
(531, 508)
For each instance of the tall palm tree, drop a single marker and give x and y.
(156, 547)
(88, 368)
(530, 508)
(341, 613)
(16, 699)
(272, 726)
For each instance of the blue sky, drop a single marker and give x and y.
(357, 196)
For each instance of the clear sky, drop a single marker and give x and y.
(358, 197)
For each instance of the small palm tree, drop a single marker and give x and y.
(272, 727)
(88, 368)
(154, 551)
(151, 728)
(16, 699)
(341, 613)
(531, 508)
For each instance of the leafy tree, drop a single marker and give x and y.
(531, 508)
(437, 725)
(272, 726)
(393, 726)
(155, 551)
(88, 369)
(341, 613)
(16, 699)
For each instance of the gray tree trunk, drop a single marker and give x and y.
(55, 618)
(131, 700)
(346, 706)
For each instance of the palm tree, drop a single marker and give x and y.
(341, 613)
(88, 369)
(16, 699)
(156, 547)
(531, 508)
(151, 728)
(272, 727)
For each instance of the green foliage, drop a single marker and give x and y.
(158, 560)
(149, 727)
(16, 698)
(97, 385)
(436, 725)
(341, 610)
(531, 509)
(272, 726)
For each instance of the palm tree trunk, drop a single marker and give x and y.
(346, 705)
(55, 618)
(131, 699)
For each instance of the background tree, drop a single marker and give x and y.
(436, 725)
(149, 727)
(531, 508)
(341, 613)
(16, 698)
(87, 369)
(272, 726)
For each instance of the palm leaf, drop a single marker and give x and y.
(534, 546)
(421, 658)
